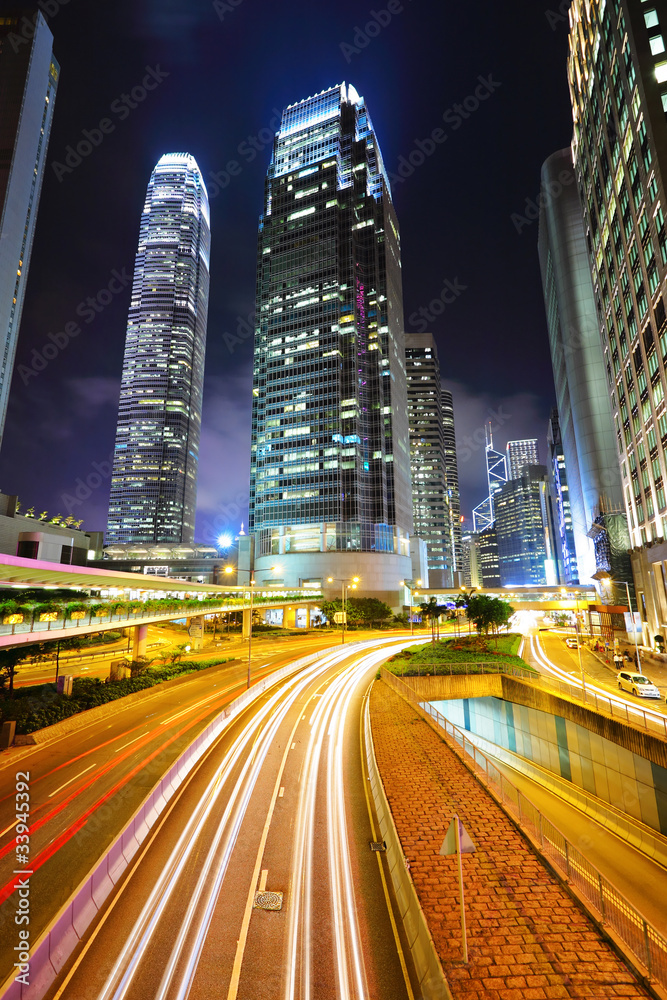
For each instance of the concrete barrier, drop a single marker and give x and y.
(56, 944)
(432, 981)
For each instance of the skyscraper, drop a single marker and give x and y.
(519, 454)
(585, 418)
(430, 498)
(154, 479)
(330, 467)
(617, 72)
(523, 530)
(452, 479)
(559, 490)
(496, 474)
(28, 83)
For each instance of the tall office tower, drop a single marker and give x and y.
(430, 499)
(496, 474)
(488, 556)
(330, 467)
(518, 454)
(154, 479)
(524, 530)
(618, 83)
(561, 511)
(452, 479)
(471, 569)
(585, 415)
(28, 83)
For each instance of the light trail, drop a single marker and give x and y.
(573, 680)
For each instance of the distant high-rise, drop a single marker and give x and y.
(496, 475)
(154, 479)
(28, 83)
(519, 454)
(330, 488)
(523, 530)
(559, 491)
(452, 478)
(471, 569)
(578, 360)
(430, 499)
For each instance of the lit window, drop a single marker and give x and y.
(651, 18)
(657, 45)
(664, 102)
(661, 72)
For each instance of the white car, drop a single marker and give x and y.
(571, 642)
(637, 684)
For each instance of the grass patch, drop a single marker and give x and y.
(458, 655)
(40, 705)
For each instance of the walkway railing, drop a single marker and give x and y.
(450, 668)
(616, 913)
(58, 624)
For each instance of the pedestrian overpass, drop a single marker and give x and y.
(122, 595)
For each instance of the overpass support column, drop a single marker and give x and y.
(289, 617)
(246, 624)
(139, 634)
(196, 631)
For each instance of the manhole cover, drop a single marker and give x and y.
(378, 846)
(268, 900)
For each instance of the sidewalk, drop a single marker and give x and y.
(527, 939)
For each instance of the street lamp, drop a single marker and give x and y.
(345, 585)
(576, 632)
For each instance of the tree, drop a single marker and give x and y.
(433, 611)
(489, 613)
(10, 657)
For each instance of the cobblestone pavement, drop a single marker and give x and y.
(527, 939)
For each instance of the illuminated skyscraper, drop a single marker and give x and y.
(430, 500)
(28, 83)
(452, 479)
(519, 454)
(154, 479)
(330, 466)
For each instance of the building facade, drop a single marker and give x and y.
(452, 480)
(523, 530)
(28, 84)
(430, 497)
(617, 73)
(483, 514)
(471, 570)
(519, 454)
(154, 479)
(559, 498)
(585, 416)
(330, 492)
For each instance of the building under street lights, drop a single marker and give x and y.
(154, 479)
(330, 465)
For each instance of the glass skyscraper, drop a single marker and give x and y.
(618, 85)
(519, 454)
(452, 480)
(154, 479)
(28, 84)
(330, 467)
(430, 501)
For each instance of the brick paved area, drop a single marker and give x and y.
(527, 939)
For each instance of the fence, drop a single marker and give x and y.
(619, 915)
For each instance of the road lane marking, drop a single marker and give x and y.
(130, 743)
(280, 795)
(263, 878)
(71, 780)
(293, 746)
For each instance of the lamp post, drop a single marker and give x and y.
(576, 632)
(345, 585)
(274, 569)
(410, 584)
(634, 626)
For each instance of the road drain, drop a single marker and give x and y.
(268, 900)
(377, 846)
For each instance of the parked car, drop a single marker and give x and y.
(571, 642)
(637, 684)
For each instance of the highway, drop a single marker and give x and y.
(85, 785)
(278, 803)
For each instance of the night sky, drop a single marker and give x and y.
(225, 71)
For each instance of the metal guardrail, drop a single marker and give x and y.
(633, 715)
(487, 667)
(127, 620)
(646, 943)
